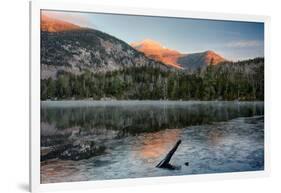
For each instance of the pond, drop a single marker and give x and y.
(132, 137)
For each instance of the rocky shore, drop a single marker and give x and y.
(76, 150)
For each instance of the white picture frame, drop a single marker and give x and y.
(35, 8)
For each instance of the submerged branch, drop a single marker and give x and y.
(165, 162)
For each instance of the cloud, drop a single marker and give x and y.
(244, 44)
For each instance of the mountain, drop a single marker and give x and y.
(82, 63)
(173, 58)
(66, 47)
(199, 60)
(156, 51)
(49, 24)
(70, 48)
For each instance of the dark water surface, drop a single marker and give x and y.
(216, 137)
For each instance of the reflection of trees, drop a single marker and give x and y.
(145, 118)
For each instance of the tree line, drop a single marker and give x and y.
(243, 80)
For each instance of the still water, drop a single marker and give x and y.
(136, 135)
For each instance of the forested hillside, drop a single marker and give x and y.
(242, 80)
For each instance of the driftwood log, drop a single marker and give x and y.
(165, 162)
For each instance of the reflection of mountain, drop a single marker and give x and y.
(238, 145)
(68, 128)
(153, 146)
(156, 51)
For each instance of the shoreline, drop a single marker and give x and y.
(91, 100)
(145, 103)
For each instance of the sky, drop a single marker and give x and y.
(234, 40)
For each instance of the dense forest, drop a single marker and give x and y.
(243, 80)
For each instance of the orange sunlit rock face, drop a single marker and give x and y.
(173, 58)
(50, 24)
(213, 58)
(156, 51)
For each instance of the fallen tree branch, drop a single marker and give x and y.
(165, 162)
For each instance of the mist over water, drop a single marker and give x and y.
(216, 137)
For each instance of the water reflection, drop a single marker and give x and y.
(216, 137)
(132, 118)
(67, 171)
(156, 144)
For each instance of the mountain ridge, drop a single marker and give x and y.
(148, 47)
(77, 50)
(194, 61)
(156, 51)
(50, 24)
(173, 58)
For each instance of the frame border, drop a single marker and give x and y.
(34, 92)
